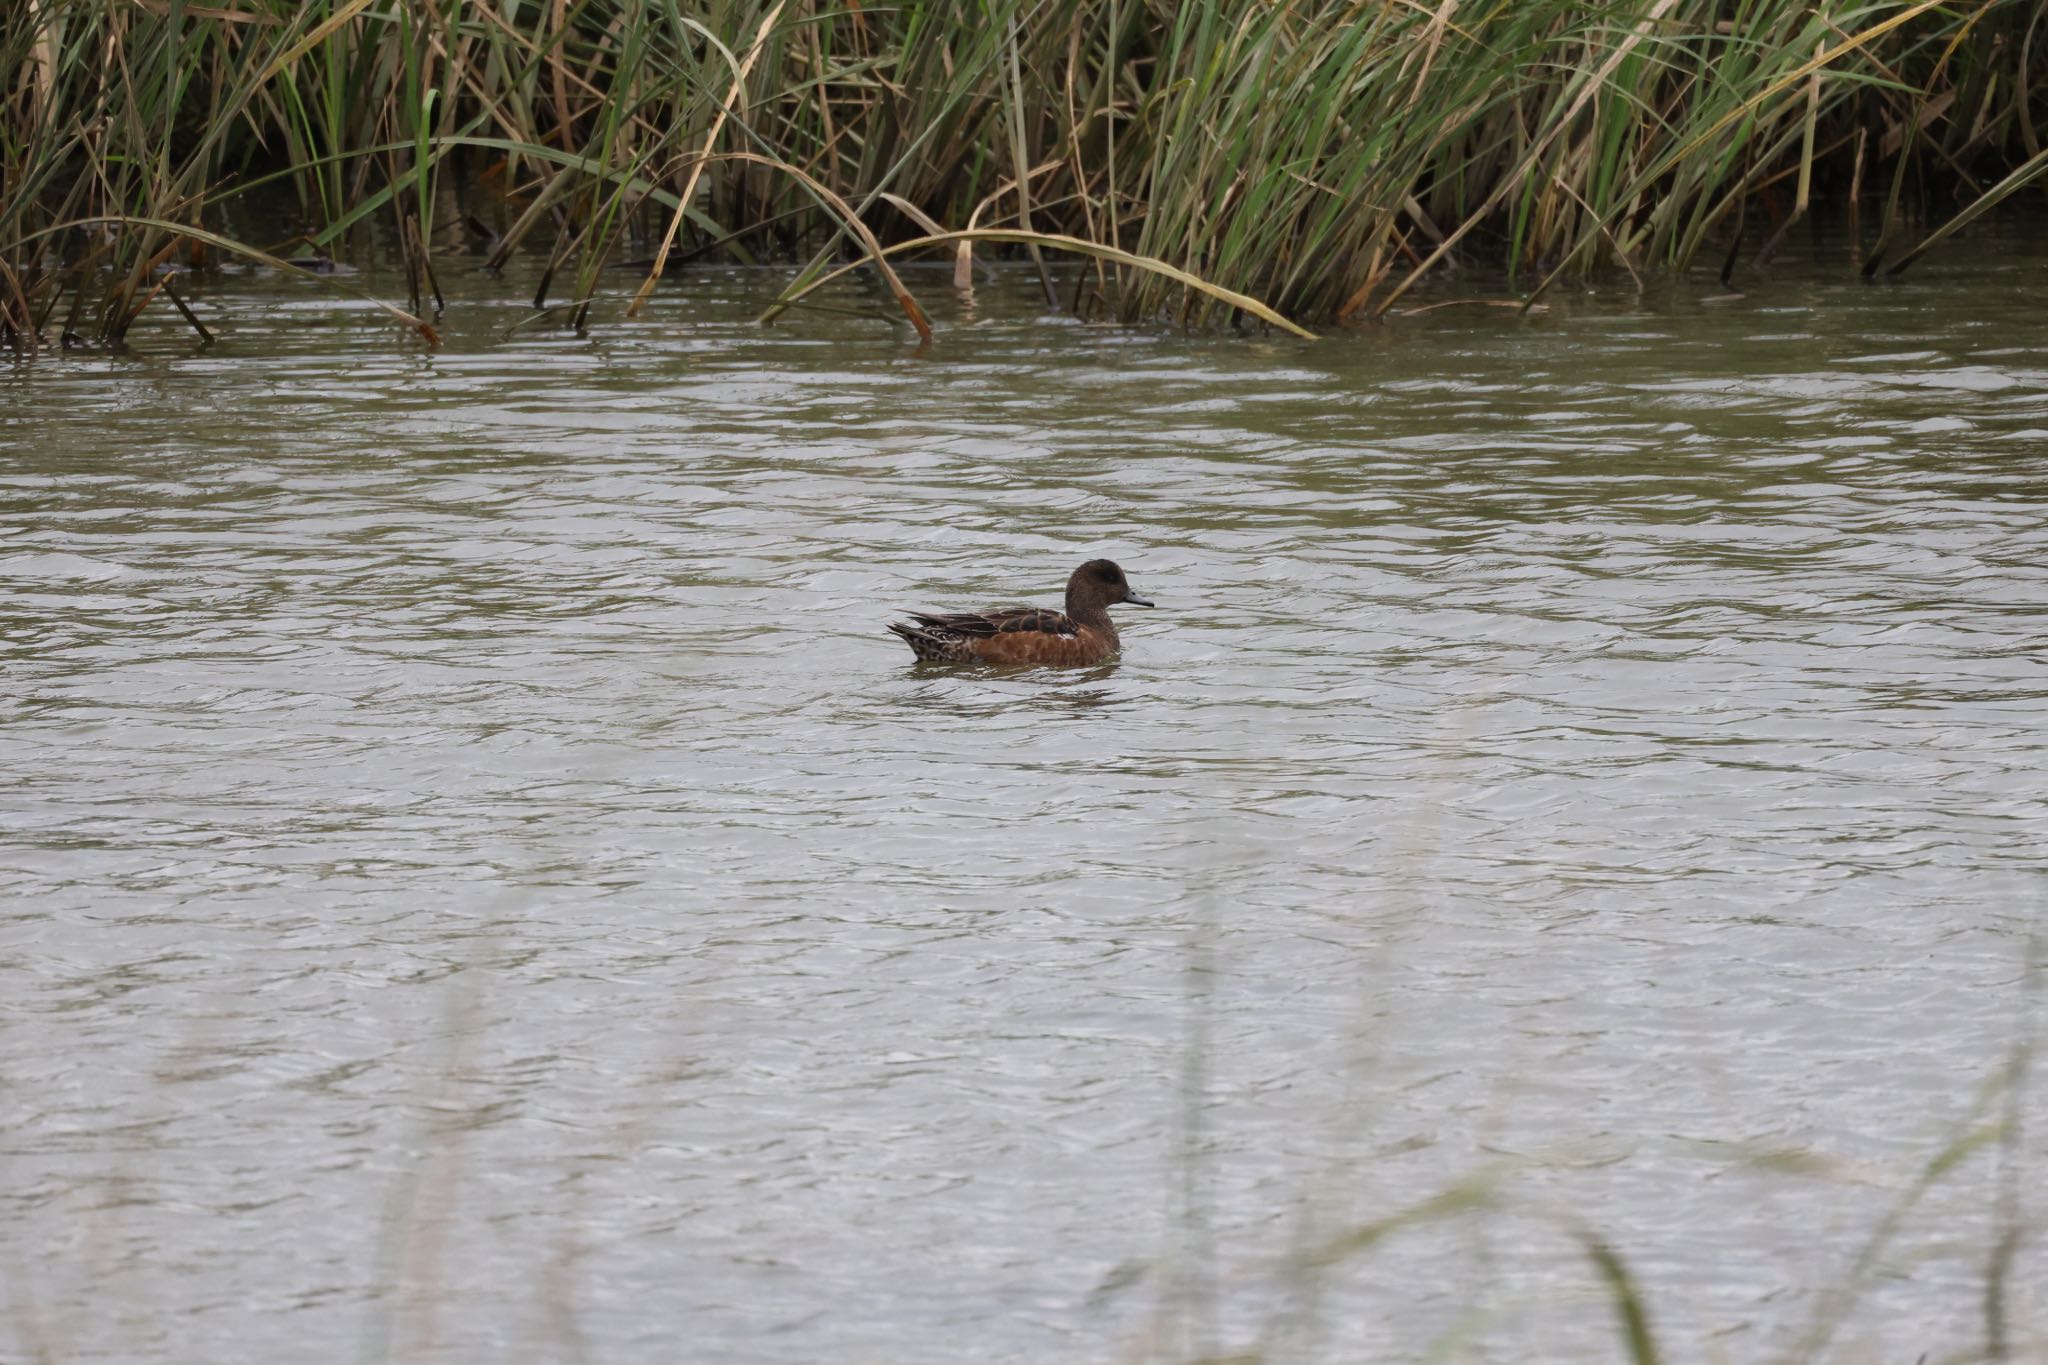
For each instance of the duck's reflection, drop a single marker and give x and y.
(998, 692)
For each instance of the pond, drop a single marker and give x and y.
(480, 881)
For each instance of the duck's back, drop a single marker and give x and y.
(983, 624)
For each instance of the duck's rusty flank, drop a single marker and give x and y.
(1081, 635)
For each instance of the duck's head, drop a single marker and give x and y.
(1097, 585)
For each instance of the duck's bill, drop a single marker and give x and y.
(1134, 600)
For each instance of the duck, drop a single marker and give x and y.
(1080, 636)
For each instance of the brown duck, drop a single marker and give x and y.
(1082, 635)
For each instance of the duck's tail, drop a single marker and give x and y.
(926, 643)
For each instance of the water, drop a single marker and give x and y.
(480, 884)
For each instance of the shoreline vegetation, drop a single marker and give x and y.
(1285, 163)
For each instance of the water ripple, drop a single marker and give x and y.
(465, 807)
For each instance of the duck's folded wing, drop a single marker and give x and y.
(986, 623)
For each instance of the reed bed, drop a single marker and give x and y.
(1291, 161)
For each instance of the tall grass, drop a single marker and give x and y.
(1211, 159)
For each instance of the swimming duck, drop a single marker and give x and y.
(1080, 636)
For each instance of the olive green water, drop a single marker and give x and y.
(480, 884)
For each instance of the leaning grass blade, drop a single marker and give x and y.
(171, 292)
(414, 322)
(853, 224)
(1477, 1192)
(689, 190)
(1985, 202)
(912, 212)
(1080, 247)
(1971, 1135)
(319, 34)
(1628, 1301)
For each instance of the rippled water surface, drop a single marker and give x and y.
(480, 883)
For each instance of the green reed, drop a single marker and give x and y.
(1314, 158)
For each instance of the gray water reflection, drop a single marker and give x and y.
(479, 883)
